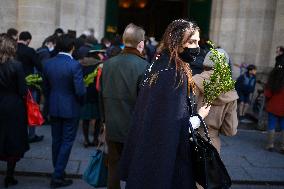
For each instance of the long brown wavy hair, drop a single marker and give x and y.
(172, 41)
(8, 47)
(276, 79)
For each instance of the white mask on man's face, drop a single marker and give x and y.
(51, 48)
(107, 45)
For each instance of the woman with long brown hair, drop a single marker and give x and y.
(155, 155)
(274, 93)
(13, 120)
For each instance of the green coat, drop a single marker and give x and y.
(120, 79)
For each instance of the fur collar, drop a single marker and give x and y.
(131, 50)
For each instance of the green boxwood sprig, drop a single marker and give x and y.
(221, 80)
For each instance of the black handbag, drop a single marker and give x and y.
(208, 169)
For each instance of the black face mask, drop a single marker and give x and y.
(189, 54)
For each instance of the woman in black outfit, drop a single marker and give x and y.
(13, 116)
(155, 155)
(90, 114)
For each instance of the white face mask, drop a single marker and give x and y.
(51, 48)
(107, 45)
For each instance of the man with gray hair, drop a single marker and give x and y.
(120, 80)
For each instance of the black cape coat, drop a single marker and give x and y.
(155, 155)
(13, 115)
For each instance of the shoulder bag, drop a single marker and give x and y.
(208, 169)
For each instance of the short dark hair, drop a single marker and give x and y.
(12, 32)
(65, 43)
(281, 48)
(25, 35)
(251, 67)
(58, 30)
(72, 33)
(49, 39)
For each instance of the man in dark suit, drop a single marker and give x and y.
(46, 50)
(27, 56)
(43, 53)
(64, 89)
(120, 80)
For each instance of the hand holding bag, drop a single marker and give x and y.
(35, 117)
(208, 169)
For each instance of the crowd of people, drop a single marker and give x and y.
(138, 89)
(64, 62)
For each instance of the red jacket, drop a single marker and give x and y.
(275, 102)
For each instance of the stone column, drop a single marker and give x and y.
(215, 22)
(37, 17)
(95, 16)
(263, 33)
(81, 15)
(244, 30)
(72, 15)
(278, 38)
(8, 14)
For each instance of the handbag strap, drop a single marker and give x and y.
(192, 102)
(29, 95)
(205, 128)
(195, 132)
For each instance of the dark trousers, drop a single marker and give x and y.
(114, 154)
(63, 131)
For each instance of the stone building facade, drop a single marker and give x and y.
(41, 17)
(250, 30)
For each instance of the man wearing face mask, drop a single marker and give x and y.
(46, 50)
(120, 79)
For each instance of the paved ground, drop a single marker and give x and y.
(246, 159)
(27, 182)
(248, 163)
(38, 158)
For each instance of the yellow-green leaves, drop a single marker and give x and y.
(89, 79)
(34, 80)
(221, 80)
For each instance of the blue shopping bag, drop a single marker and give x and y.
(96, 172)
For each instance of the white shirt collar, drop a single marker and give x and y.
(67, 54)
